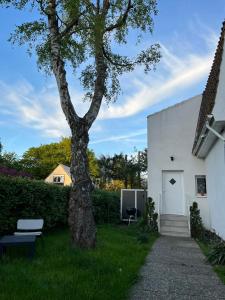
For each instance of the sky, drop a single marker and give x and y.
(30, 112)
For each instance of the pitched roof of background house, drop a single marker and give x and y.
(209, 94)
(66, 169)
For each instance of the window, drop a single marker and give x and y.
(200, 183)
(58, 179)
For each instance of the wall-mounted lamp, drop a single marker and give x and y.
(172, 158)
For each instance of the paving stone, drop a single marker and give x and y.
(176, 269)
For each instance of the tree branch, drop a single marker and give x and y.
(40, 2)
(70, 26)
(99, 90)
(121, 20)
(117, 64)
(98, 6)
(59, 66)
(106, 5)
(74, 22)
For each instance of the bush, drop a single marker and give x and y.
(143, 237)
(106, 206)
(196, 222)
(210, 237)
(216, 255)
(24, 198)
(148, 223)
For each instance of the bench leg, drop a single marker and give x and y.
(2, 250)
(32, 251)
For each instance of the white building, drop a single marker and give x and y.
(186, 156)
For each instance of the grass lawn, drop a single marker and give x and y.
(60, 272)
(220, 270)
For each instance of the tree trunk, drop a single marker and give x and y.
(81, 220)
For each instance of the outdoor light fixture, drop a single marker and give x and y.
(172, 158)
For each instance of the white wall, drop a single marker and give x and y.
(215, 166)
(171, 133)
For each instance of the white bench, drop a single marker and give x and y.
(29, 227)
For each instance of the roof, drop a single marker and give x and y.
(66, 169)
(209, 94)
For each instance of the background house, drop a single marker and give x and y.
(186, 156)
(60, 175)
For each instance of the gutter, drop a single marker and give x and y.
(209, 121)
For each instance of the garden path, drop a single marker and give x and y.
(176, 269)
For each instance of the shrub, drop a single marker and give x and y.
(106, 206)
(6, 171)
(210, 237)
(24, 198)
(196, 221)
(149, 220)
(143, 237)
(216, 255)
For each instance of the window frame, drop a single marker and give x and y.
(59, 182)
(199, 195)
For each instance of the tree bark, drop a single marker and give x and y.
(81, 220)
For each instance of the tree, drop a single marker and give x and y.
(129, 170)
(81, 33)
(9, 159)
(40, 161)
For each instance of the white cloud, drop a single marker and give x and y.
(125, 137)
(40, 109)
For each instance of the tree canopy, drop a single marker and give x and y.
(128, 169)
(40, 161)
(85, 27)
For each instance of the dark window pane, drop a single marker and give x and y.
(201, 185)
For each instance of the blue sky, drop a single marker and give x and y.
(30, 114)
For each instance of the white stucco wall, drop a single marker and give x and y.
(171, 133)
(215, 163)
(215, 166)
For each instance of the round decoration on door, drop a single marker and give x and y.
(172, 181)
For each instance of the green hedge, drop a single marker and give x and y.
(106, 206)
(24, 198)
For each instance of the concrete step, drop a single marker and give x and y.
(179, 223)
(178, 234)
(173, 217)
(174, 225)
(183, 229)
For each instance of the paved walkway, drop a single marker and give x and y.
(175, 269)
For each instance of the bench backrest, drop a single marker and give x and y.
(30, 224)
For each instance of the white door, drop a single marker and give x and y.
(173, 193)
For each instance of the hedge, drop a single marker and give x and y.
(106, 206)
(25, 198)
